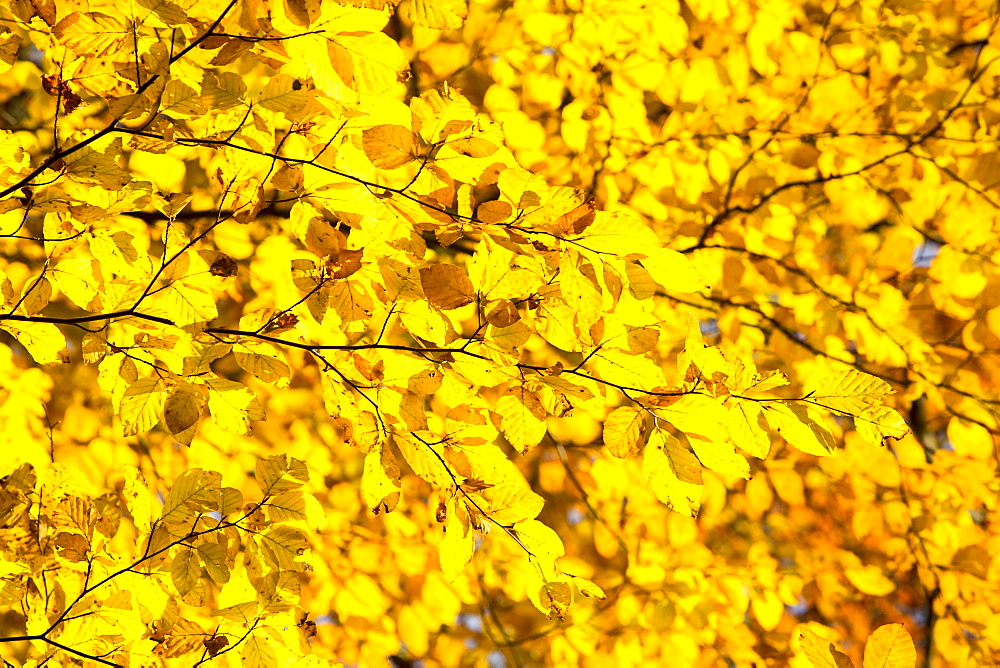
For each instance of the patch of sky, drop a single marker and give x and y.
(574, 516)
(925, 253)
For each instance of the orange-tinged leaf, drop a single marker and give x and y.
(390, 146)
(890, 646)
(447, 286)
(182, 412)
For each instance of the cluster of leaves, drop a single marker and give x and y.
(674, 242)
(114, 578)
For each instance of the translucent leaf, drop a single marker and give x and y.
(38, 292)
(213, 556)
(748, 427)
(184, 570)
(380, 481)
(588, 588)
(283, 94)
(509, 504)
(674, 271)
(458, 544)
(195, 489)
(802, 426)
(624, 431)
(280, 473)
(263, 360)
(141, 405)
(258, 652)
(233, 405)
(672, 472)
(879, 423)
(540, 540)
(522, 418)
(43, 341)
(849, 391)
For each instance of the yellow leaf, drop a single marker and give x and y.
(459, 543)
(390, 146)
(222, 91)
(588, 588)
(439, 14)
(283, 545)
(137, 498)
(802, 426)
(43, 340)
(141, 405)
(116, 253)
(522, 418)
(283, 94)
(79, 280)
(890, 647)
(380, 481)
(540, 540)
(423, 319)
(870, 580)
(262, 359)
(213, 556)
(697, 414)
(748, 428)
(280, 473)
(719, 456)
(186, 303)
(624, 431)
(91, 164)
(233, 405)
(821, 652)
(879, 423)
(672, 472)
(168, 12)
(184, 570)
(258, 652)
(37, 293)
(509, 504)
(619, 233)
(674, 271)
(447, 286)
(849, 391)
(179, 99)
(194, 489)
(767, 609)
